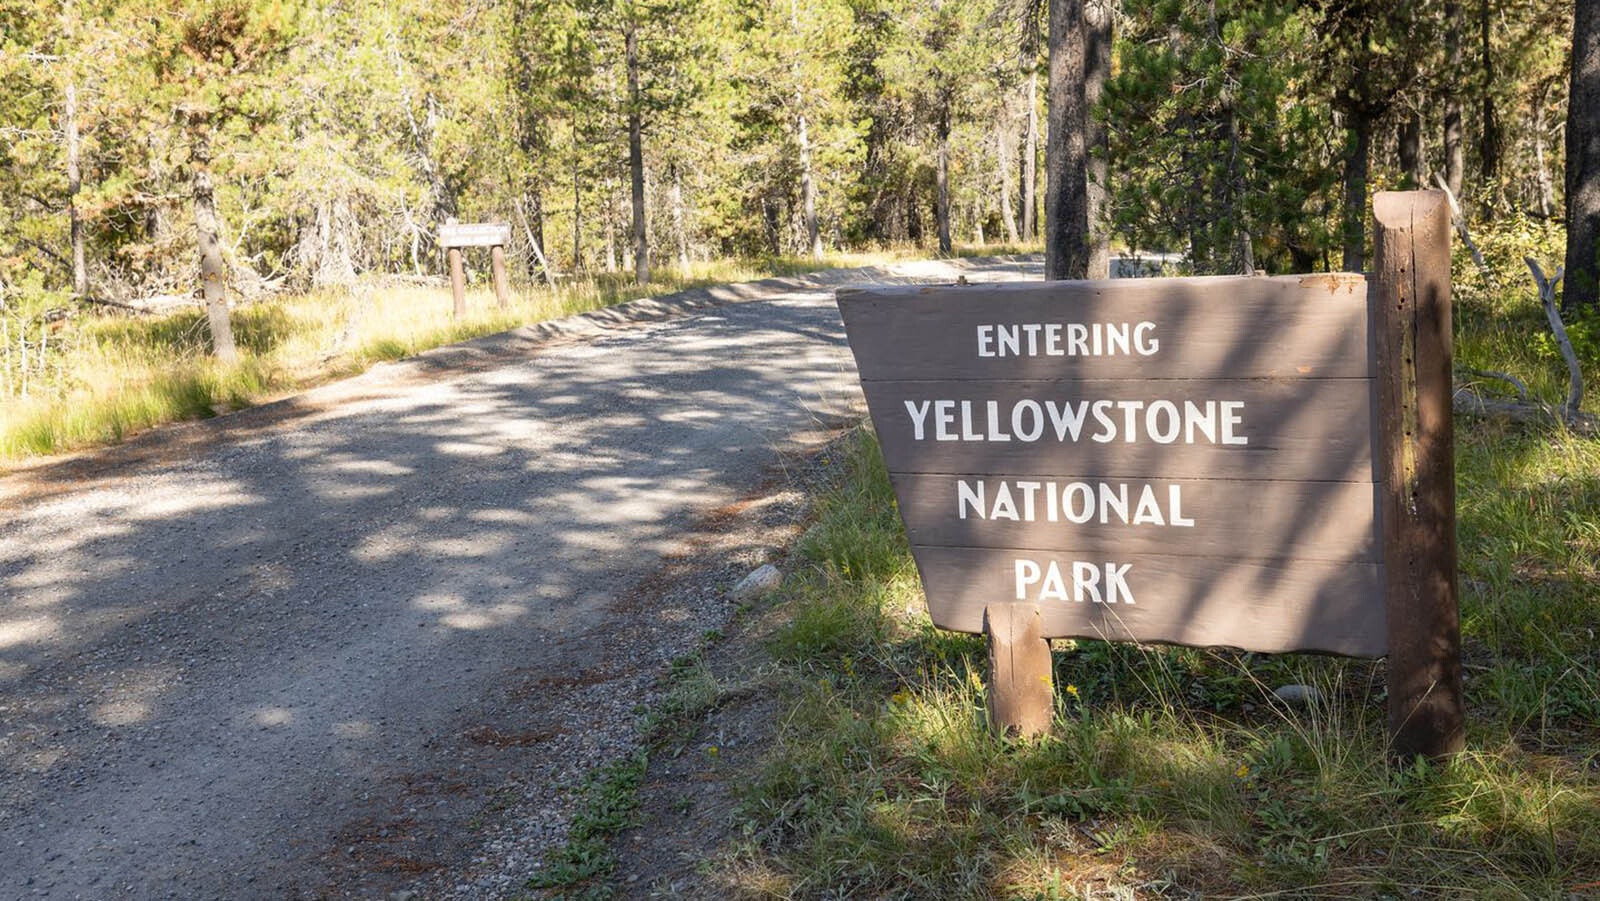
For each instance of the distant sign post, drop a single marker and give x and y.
(453, 237)
(1198, 461)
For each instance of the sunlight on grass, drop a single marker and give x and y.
(1175, 769)
(111, 376)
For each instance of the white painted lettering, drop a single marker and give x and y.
(919, 417)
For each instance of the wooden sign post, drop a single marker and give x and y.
(453, 237)
(1418, 503)
(1196, 461)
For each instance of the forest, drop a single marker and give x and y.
(322, 141)
(290, 163)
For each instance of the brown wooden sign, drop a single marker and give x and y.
(474, 235)
(1162, 460)
(454, 236)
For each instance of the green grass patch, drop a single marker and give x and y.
(1173, 771)
(102, 378)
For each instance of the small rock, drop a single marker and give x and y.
(1298, 694)
(763, 579)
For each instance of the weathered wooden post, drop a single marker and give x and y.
(453, 237)
(502, 292)
(1417, 500)
(458, 282)
(1021, 688)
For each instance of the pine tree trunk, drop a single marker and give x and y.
(1097, 68)
(680, 234)
(1066, 202)
(808, 187)
(577, 213)
(212, 273)
(69, 115)
(641, 241)
(941, 208)
(1030, 157)
(1454, 158)
(1002, 170)
(1582, 283)
(1354, 229)
(1490, 143)
(1541, 169)
(1410, 151)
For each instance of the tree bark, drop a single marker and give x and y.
(1541, 169)
(1097, 68)
(1489, 146)
(1582, 282)
(808, 187)
(941, 208)
(1354, 228)
(1030, 156)
(680, 233)
(1454, 158)
(212, 271)
(69, 115)
(641, 241)
(1411, 152)
(1066, 202)
(1002, 153)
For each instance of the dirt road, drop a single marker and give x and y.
(317, 653)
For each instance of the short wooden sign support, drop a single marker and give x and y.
(1416, 447)
(453, 237)
(1021, 691)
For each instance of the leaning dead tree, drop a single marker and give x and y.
(1470, 402)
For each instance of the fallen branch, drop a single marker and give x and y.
(1516, 384)
(108, 302)
(1460, 223)
(1469, 403)
(1547, 299)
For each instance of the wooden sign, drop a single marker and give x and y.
(454, 236)
(1161, 460)
(475, 235)
(1261, 463)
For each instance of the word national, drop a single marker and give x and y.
(1074, 502)
(1027, 420)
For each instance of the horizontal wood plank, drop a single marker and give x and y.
(1318, 429)
(1200, 328)
(1328, 521)
(1257, 606)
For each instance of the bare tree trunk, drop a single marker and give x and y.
(577, 214)
(641, 239)
(611, 229)
(69, 115)
(1454, 159)
(679, 233)
(1489, 147)
(1244, 260)
(1097, 68)
(942, 181)
(1582, 286)
(212, 273)
(1030, 156)
(1002, 148)
(1541, 169)
(1066, 201)
(808, 187)
(1354, 228)
(1411, 152)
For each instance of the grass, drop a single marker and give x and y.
(109, 377)
(1173, 772)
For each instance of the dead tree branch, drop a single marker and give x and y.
(1547, 299)
(1460, 223)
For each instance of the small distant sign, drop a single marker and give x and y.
(474, 235)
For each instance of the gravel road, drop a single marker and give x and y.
(316, 655)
